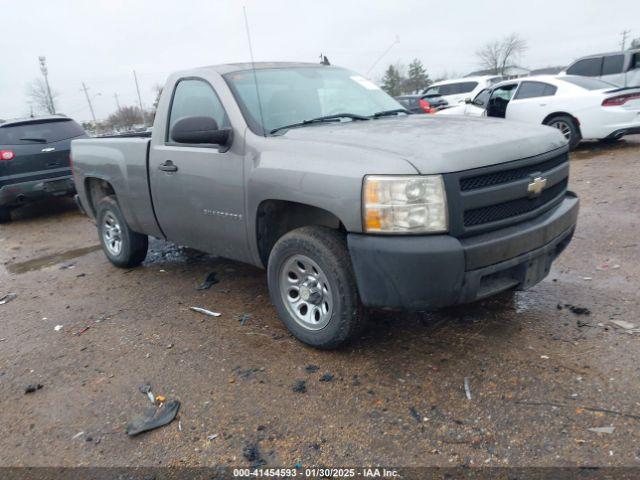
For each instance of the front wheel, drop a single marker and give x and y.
(567, 127)
(122, 246)
(312, 285)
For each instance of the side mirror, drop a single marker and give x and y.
(195, 130)
(468, 100)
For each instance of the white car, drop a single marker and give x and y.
(580, 107)
(458, 90)
(619, 68)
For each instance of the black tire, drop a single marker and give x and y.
(328, 250)
(133, 245)
(5, 214)
(559, 122)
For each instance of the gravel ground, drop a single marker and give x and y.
(540, 376)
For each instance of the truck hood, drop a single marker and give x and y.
(435, 144)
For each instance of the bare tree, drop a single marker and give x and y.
(125, 118)
(37, 92)
(497, 55)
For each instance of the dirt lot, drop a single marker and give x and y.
(540, 377)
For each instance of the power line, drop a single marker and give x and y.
(117, 101)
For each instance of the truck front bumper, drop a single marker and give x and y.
(433, 271)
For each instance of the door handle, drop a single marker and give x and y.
(168, 166)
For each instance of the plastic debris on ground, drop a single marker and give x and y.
(81, 331)
(205, 311)
(154, 418)
(299, 387)
(79, 434)
(602, 429)
(32, 388)
(7, 298)
(467, 388)
(245, 317)
(208, 282)
(312, 368)
(146, 389)
(327, 377)
(57, 328)
(628, 327)
(212, 436)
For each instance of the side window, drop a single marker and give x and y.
(534, 89)
(196, 98)
(466, 87)
(635, 61)
(481, 98)
(612, 64)
(589, 67)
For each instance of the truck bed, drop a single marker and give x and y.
(123, 162)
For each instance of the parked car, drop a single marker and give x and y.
(317, 175)
(458, 90)
(421, 104)
(34, 160)
(620, 68)
(580, 107)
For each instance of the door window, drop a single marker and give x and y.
(481, 98)
(500, 97)
(535, 89)
(613, 64)
(589, 67)
(196, 98)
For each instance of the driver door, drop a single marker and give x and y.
(198, 190)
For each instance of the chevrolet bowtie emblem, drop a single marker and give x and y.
(536, 186)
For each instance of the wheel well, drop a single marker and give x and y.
(557, 114)
(277, 217)
(97, 189)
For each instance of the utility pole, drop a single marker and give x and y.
(45, 73)
(623, 42)
(86, 94)
(117, 101)
(135, 77)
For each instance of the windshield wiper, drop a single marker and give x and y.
(327, 118)
(37, 140)
(386, 113)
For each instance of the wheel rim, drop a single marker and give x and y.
(305, 291)
(564, 128)
(112, 234)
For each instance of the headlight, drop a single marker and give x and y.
(407, 204)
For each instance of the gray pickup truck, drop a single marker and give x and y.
(317, 175)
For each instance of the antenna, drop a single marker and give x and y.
(397, 40)
(253, 68)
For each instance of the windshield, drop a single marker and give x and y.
(293, 95)
(587, 82)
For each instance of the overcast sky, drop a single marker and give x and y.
(101, 42)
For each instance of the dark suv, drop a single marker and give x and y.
(34, 160)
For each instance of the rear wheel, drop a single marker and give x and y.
(567, 127)
(312, 285)
(122, 246)
(5, 214)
